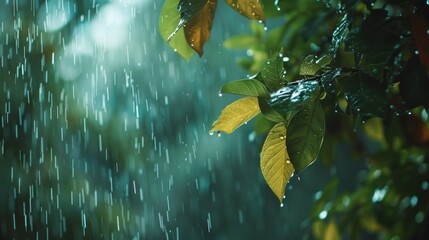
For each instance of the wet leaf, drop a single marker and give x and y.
(190, 8)
(311, 64)
(270, 113)
(249, 87)
(365, 96)
(197, 29)
(329, 81)
(294, 97)
(252, 9)
(339, 34)
(236, 114)
(273, 73)
(168, 20)
(305, 135)
(276, 166)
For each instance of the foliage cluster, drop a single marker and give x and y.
(367, 59)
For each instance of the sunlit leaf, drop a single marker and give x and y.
(273, 73)
(270, 113)
(168, 20)
(197, 29)
(305, 135)
(311, 64)
(294, 97)
(252, 9)
(276, 166)
(366, 97)
(246, 87)
(236, 114)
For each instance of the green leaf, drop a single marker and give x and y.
(294, 97)
(262, 124)
(249, 87)
(236, 114)
(366, 97)
(197, 29)
(339, 34)
(252, 9)
(242, 41)
(269, 112)
(190, 8)
(276, 166)
(273, 73)
(305, 135)
(311, 64)
(329, 81)
(168, 20)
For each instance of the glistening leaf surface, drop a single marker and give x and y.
(197, 29)
(311, 64)
(276, 166)
(305, 135)
(236, 114)
(252, 9)
(168, 20)
(246, 87)
(294, 97)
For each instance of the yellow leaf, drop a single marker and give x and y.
(168, 20)
(331, 232)
(235, 114)
(252, 9)
(275, 163)
(197, 29)
(374, 128)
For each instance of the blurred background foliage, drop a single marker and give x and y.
(105, 130)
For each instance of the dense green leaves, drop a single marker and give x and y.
(366, 97)
(294, 97)
(246, 87)
(276, 166)
(305, 136)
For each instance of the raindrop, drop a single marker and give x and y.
(219, 134)
(220, 94)
(211, 133)
(281, 205)
(323, 214)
